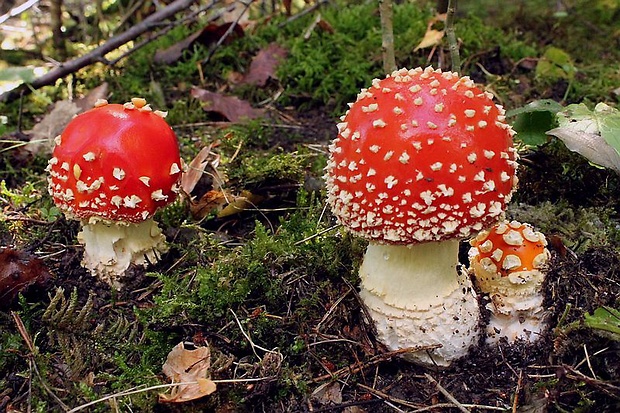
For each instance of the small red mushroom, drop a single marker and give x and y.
(508, 263)
(112, 168)
(423, 159)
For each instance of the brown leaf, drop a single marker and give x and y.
(223, 203)
(231, 107)
(213, 200)
(205, 162)
(287, 6)
(328, 393)
(88, 102)
(326, 26)
(246, 200)
(432, 37)
(43, 133)
(208, 35)
(18, 271)
(190, 367)
(264, 65)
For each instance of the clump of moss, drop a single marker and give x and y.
(579, 228)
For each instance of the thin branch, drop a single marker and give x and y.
(135, 390)
(451, 35)
(98, 54)
(445, 392)
(302, 13)
(231, 28)
(357, 366)
(387, 36)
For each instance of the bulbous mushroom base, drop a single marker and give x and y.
(456, 330)
(417, 297)
(111, 247)
(516, 313)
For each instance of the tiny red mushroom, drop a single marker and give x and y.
(112, 168)
(423, 159)
(508, 262)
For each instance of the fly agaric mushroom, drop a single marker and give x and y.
(507, 262)
(112, 168)
(423, 159)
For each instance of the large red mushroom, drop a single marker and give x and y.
(423, 159)
(112, 168)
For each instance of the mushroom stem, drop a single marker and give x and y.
(110, 247)
(417, 296)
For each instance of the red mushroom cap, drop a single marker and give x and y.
(116, 162)
(422, 155)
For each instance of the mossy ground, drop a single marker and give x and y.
(273, 289)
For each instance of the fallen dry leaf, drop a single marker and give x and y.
(213, 200)
(231, 107)
(246, 200)
(328, 393)
(190, 367)
(223, 203)
(18, 271)
(205, 162)
(432, 37)
(264, 65)
(43, 133)
(88, 102)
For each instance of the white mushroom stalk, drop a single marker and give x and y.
(111, 247)
(418, 296)
(423, 159)
(508, 264)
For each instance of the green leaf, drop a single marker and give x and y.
(11, 77)
(555, 64)
(593, 134)
(606, 321)
(534, 120)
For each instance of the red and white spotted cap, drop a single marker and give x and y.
(422, 155)
(507, 248)
(115, 162)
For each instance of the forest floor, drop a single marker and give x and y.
(258, 274)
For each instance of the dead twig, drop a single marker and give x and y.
(386, 396)
(515, 402)
(453, 44)
(16, 11)
(98, 55)
(446, 393)
(302, 13)
(231, 28)
(611, 389)
(419, 409)
(357, 367)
